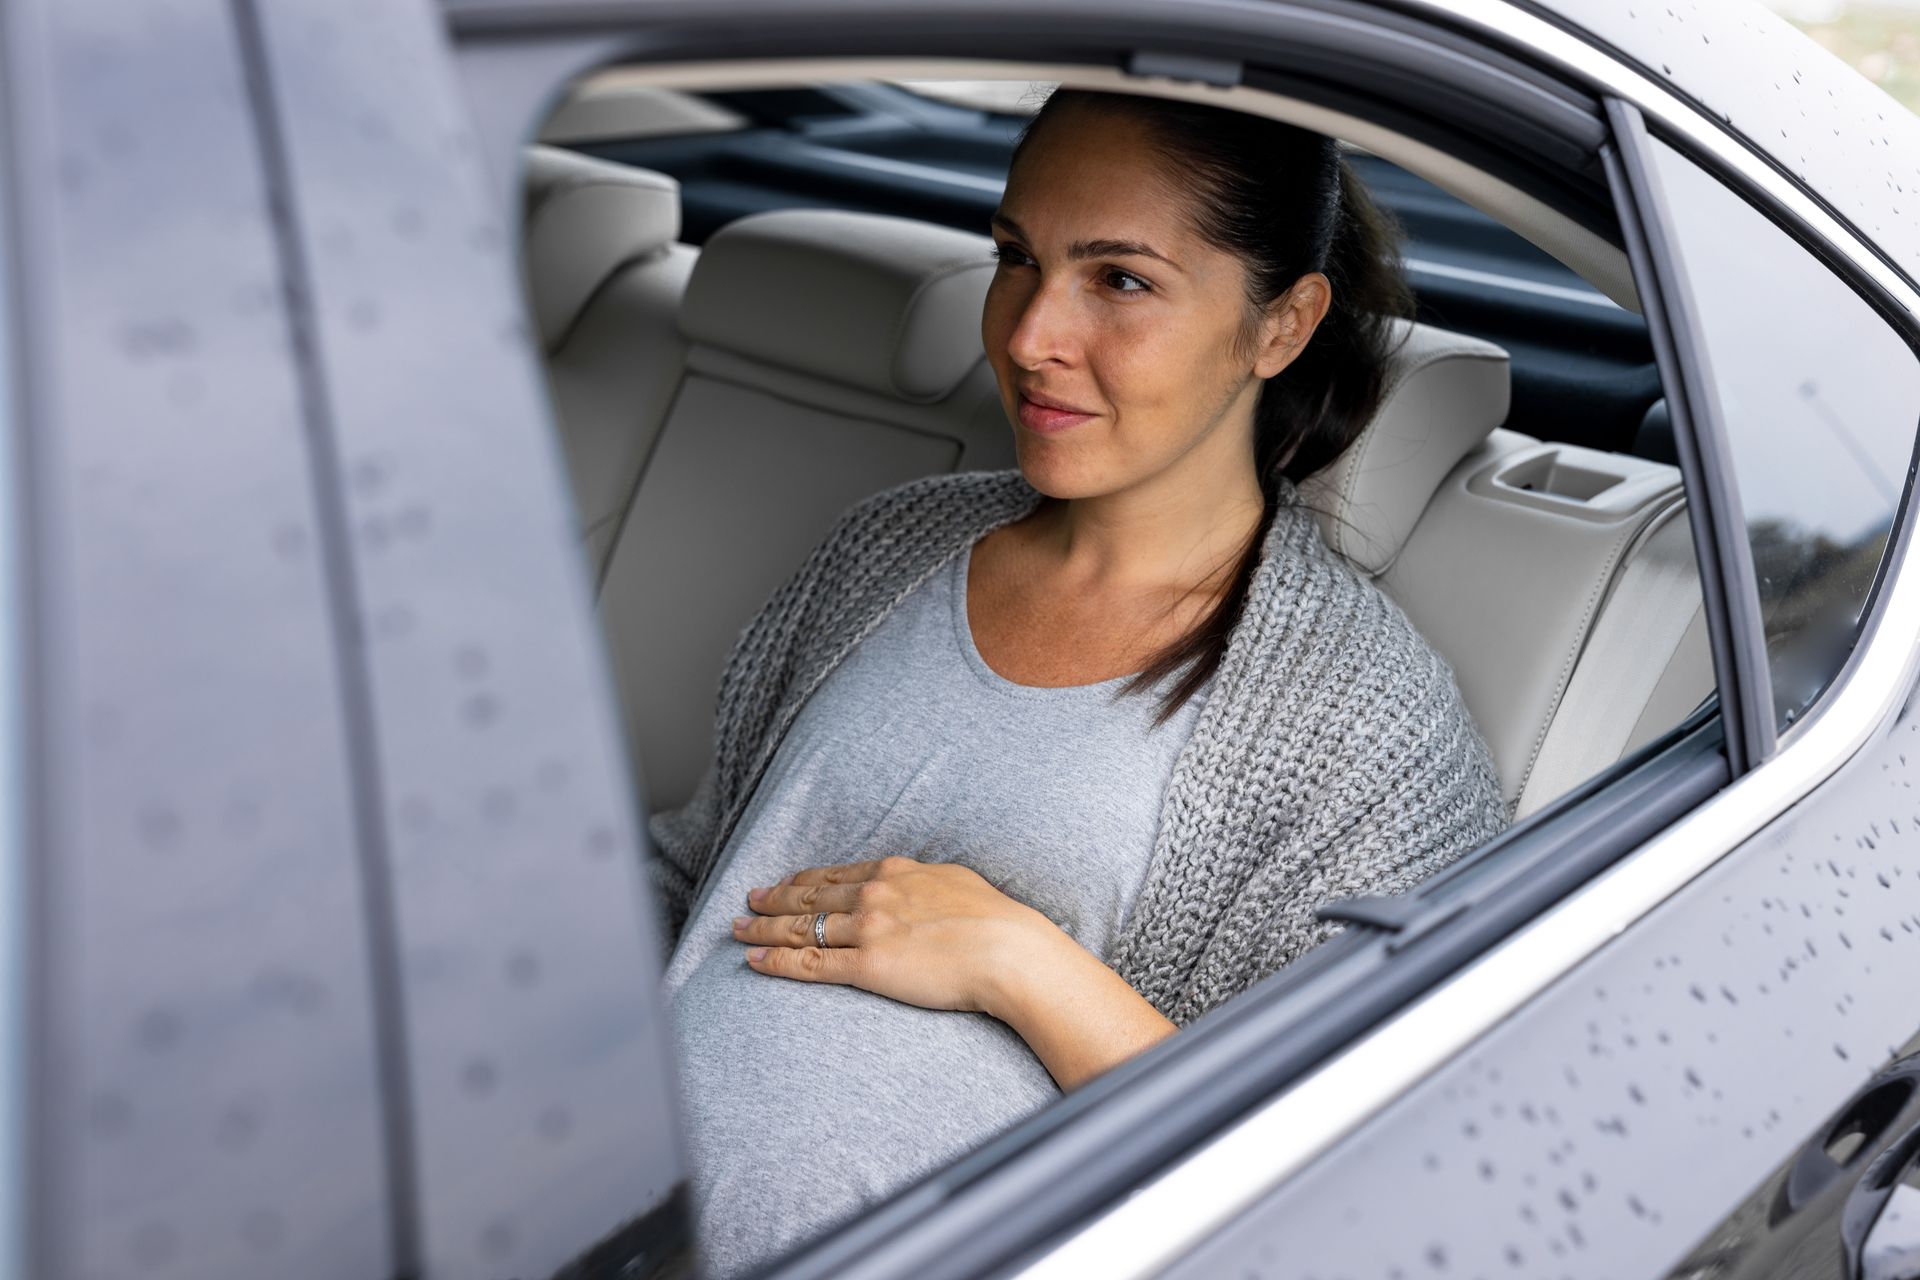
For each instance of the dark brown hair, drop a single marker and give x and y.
(1283, 200)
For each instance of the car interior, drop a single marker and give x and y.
(759, 301)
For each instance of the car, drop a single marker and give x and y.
(359, 622)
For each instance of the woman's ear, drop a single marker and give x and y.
(1290, 322)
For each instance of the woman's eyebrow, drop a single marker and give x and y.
(1083, 249)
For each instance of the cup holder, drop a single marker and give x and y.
(1550, 474)
(1577, 482)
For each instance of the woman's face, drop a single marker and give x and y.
(1105, 302)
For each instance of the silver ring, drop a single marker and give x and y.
(820, 928)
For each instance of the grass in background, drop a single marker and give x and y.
(1883, 44)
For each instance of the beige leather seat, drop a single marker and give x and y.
(604, 278)
(828, 356)
(719, 420)
(1559, 582)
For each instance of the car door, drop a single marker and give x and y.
(1205, 1213)
(1619, 1048)
(1787, 620)
(1724, 1082)
(207, 1093)
(341, 961)
(319, 709)
(1045, 1179)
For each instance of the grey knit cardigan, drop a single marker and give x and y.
(1333, 756)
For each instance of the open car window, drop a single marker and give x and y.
(1572, 421)
(709, 318)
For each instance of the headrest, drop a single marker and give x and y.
(584, 219)
(885, 304)
(1444, 394)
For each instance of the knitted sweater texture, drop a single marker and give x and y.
(1333, 757)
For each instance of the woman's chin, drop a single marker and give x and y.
(1055, 472)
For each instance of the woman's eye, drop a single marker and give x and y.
(1120, 281)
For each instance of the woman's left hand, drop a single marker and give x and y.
(934, 934)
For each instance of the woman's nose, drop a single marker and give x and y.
(1044, 330)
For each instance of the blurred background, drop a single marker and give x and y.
(1880, 38)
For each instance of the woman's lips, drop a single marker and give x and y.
(1046, 419)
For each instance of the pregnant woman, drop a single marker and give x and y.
(1022, 771)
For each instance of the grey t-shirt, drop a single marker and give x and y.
(806, 1102)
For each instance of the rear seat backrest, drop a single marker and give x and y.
(1511, 566)
(1646, 664)
(828, 355)
(605, 277)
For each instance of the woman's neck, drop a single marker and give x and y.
(1183, 527)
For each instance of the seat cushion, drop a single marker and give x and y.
(1508, 579)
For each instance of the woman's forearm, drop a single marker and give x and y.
(939, 935)
(1077, 1015)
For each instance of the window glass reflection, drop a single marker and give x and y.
(1820, 398)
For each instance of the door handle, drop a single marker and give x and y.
(1869, 1114)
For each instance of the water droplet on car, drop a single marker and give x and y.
(155, 1244)
(157, 1030)
(263, 1229)
(109, 1115)
(523, 968)
(481, 710)
(479, 1077)
(555, 1123)
(496, 1239)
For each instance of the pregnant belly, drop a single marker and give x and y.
(805, 1103)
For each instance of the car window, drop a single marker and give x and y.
(712, 394)
(1820, 398)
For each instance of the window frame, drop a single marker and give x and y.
(80, 312)
(482, 704)
(19, 931)
(1010, 1192)
(1714, 511)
